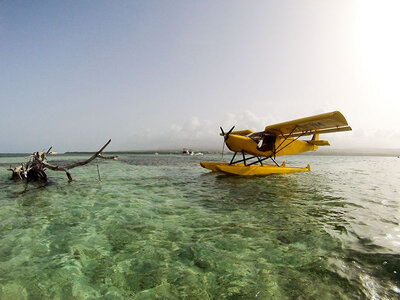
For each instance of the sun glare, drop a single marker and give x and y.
(379, 27)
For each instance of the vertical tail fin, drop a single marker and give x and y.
(315, 137)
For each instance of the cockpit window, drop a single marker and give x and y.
(268, 143)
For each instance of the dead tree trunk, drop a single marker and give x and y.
(34, 169)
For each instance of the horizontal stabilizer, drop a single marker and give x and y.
(319, 143)
(240, 132)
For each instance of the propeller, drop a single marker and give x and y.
(225, 135)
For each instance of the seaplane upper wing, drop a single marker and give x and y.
(323, 123)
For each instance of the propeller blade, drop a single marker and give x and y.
(225, 138)
(223, 143)
(223, 150)
(228, 133)
(230, 130)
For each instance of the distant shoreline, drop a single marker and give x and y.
(322, 152)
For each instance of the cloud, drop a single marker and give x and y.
(194, 132)
(366, 138)
(203, 134)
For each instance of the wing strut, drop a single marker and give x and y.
(286, 137)
(246, 159)
(274, 161)
(277, 151)
(233, 157)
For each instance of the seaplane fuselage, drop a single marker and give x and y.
(269, 146)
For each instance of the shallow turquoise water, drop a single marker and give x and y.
(162, 227)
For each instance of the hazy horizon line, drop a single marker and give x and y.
(337, 151)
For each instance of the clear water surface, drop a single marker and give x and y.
(162, 227)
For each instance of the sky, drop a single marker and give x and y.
(155, 75)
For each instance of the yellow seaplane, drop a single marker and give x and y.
(276, 140)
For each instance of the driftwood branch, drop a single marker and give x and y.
(82, 163)
(35, 168)
(57, 168)
(48, 151)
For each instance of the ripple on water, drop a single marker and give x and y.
(163, 227)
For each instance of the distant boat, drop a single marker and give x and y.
(187, 151)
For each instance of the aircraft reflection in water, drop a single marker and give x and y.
(276, 140)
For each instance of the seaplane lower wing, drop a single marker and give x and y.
(323, 123)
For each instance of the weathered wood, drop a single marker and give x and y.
(35, 168)
(82, 163)
(18, 172)
(57, 168)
